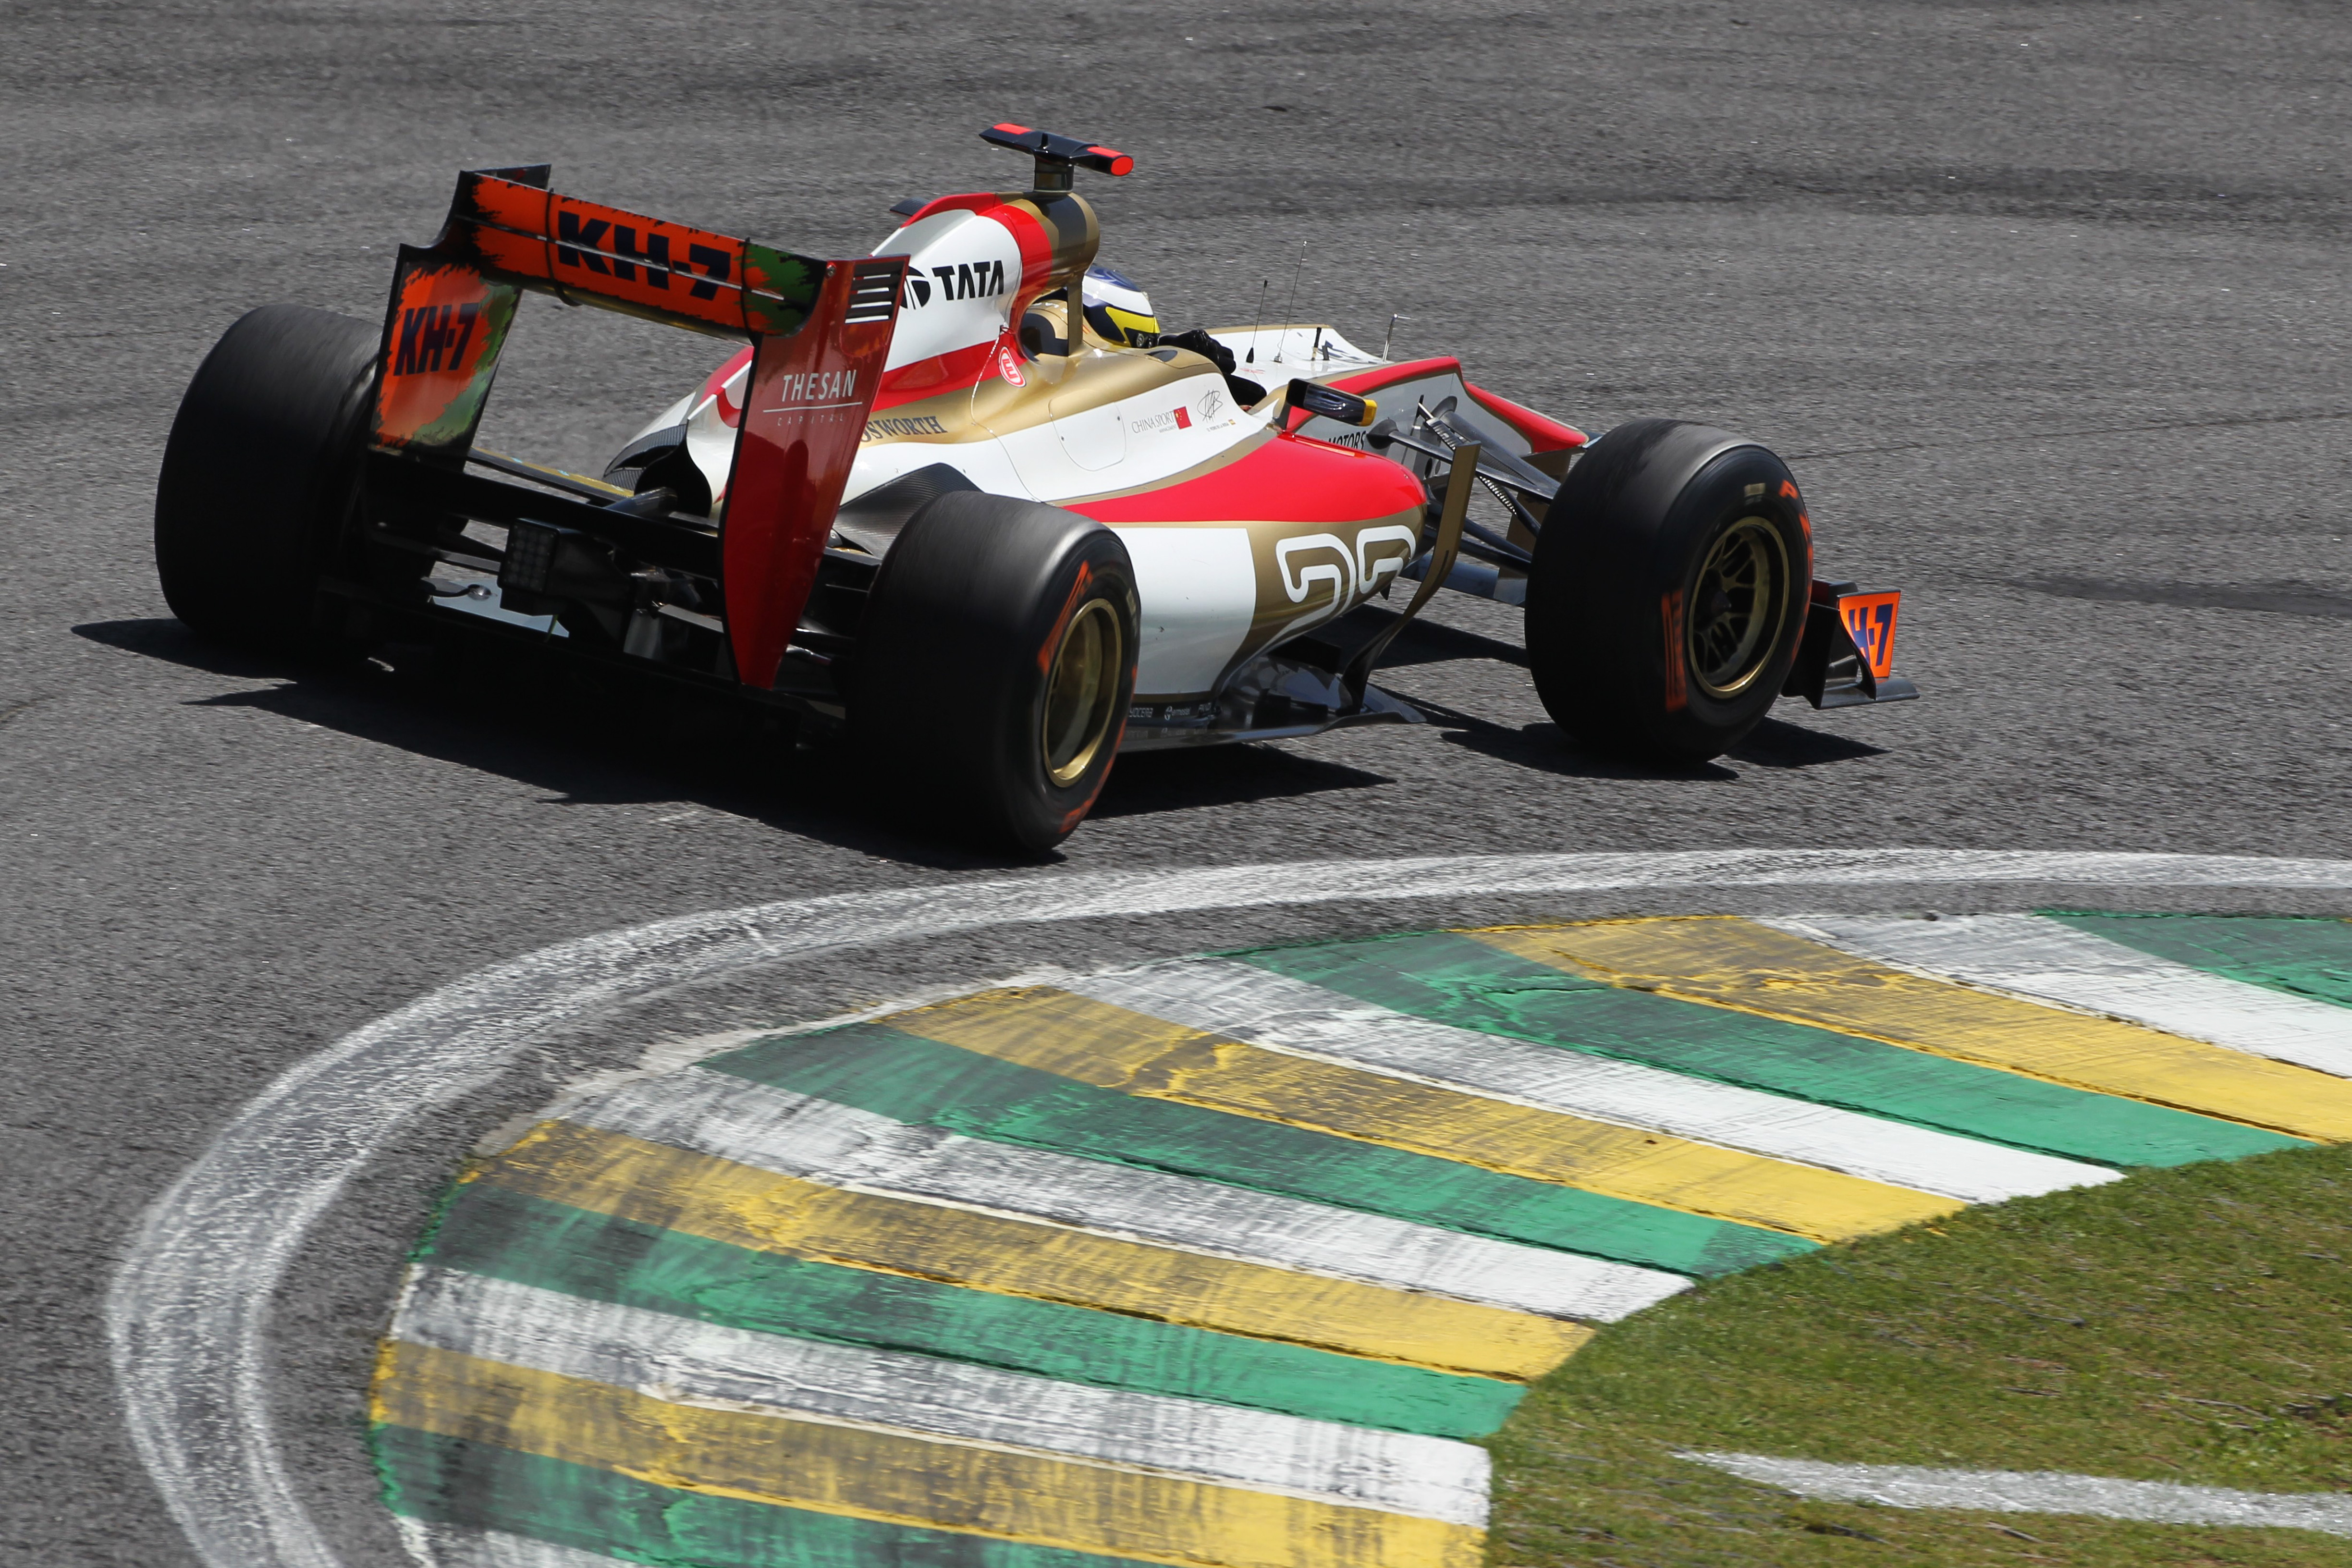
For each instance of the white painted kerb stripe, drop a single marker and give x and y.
(456, 1546)
(187, 1317)
(730, 1117)
(1247, 1003)
(2049, 961)
(684, 1362)
(2041, 1491)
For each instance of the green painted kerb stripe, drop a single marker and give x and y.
(488, 1229)
(879, 1069)
(1452, 979)
(2300, 955)
(446, 1480)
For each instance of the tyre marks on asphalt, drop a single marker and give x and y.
(1221, 1261)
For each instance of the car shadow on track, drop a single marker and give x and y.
(1542, 747)
(1221, 775)
(1774, 743)
(591, 740)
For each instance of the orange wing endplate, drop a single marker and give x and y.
(1870, 620)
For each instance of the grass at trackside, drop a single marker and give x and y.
(2189, 1325)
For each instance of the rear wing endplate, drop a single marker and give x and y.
(820, 333)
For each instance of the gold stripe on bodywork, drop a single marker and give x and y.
(745, 1206)
(898, 1477)
(1234, 454)
(1134, 1053)
(1725, 961)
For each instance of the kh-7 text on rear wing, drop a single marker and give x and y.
(819, 330)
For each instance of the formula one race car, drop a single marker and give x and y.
(965, 503)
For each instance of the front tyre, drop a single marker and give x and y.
(995, 666)
(1668, 590)
(259, 476)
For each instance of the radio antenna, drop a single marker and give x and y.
(1263, 285)
(1391, 337)
(1287, 311)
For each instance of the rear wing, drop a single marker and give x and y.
(820, 333)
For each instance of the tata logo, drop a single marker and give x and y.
(963, 280)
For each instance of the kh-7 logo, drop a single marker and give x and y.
(600, 245)
(429, 334)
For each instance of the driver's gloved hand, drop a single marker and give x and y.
(1199, 340)
(1247, 393)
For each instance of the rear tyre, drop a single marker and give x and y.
(995, 666)
(1668, 590)
(259, 476)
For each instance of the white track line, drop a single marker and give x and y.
(686, 1362)
(2049, 961)
(2041, 1491)
(1245, 1001)
(734, 1118)
(187, 1319)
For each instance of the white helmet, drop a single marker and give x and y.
(1115, 309)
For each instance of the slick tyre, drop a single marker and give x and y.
(259, 476)
(1668, 590)
(994, 667)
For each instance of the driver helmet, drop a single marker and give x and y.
(1117, 310)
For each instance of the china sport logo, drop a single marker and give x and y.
(963, 281)
(1178, 418)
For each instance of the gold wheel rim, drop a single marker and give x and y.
(1082, 693)
(1737, 607)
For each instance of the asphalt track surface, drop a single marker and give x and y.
(2043, 303)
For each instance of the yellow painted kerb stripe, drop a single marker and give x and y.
(1725, 961)
(745, 1206)
(1112, 1047)
(898, 1477)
